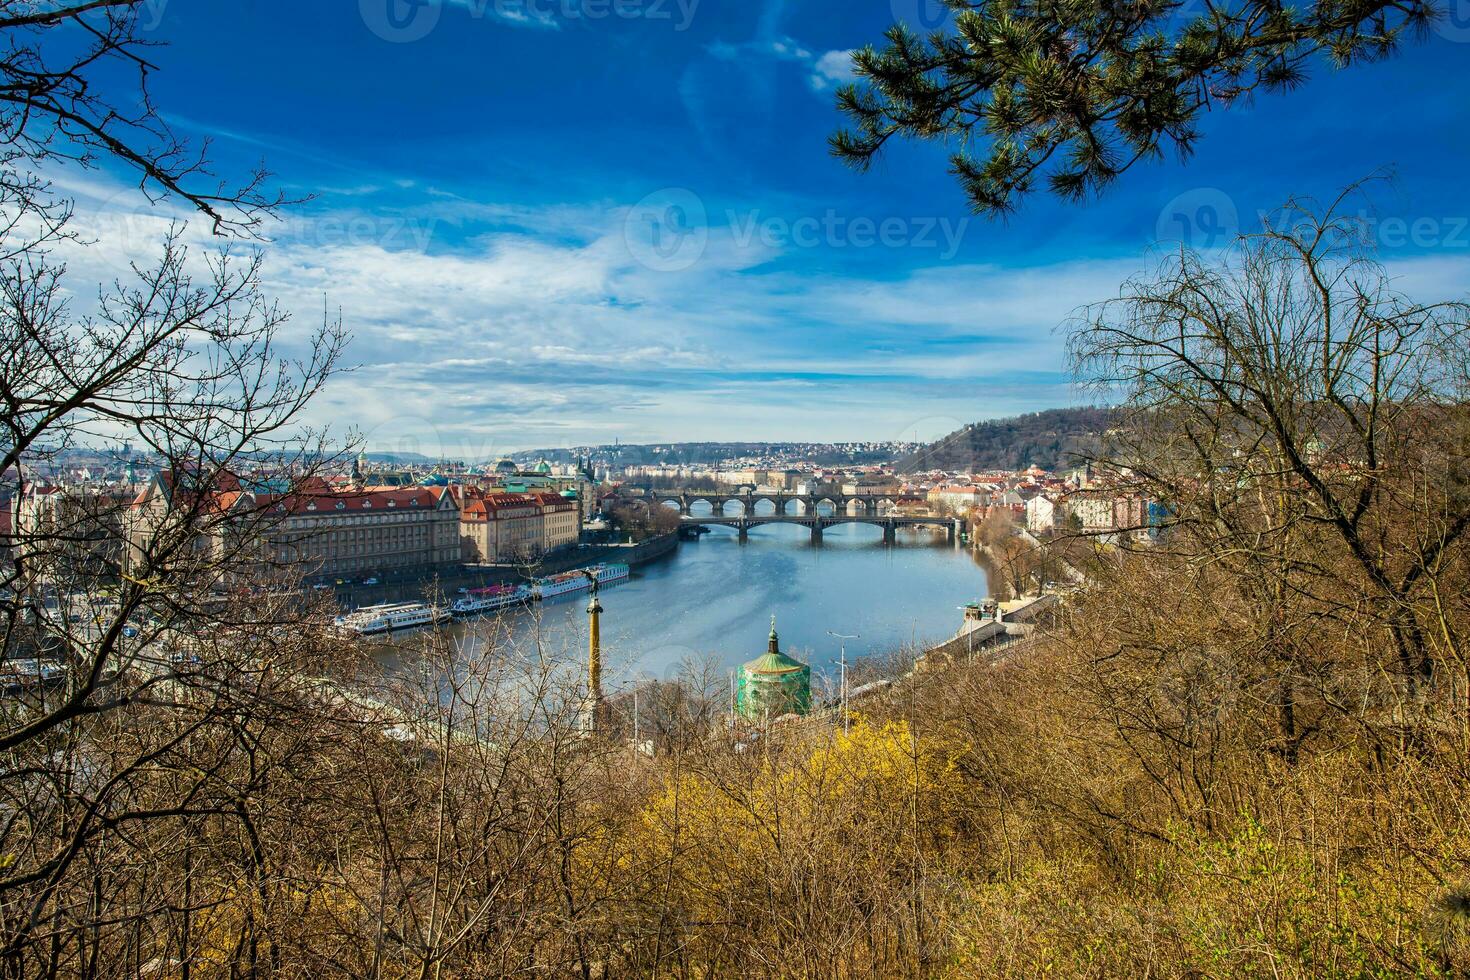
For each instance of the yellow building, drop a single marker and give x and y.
(561, 520)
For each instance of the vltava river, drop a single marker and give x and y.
(715, 597)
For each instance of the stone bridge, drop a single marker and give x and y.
(797, 508)
(817, 523)
(783, 503)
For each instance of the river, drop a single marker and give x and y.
(715, 597)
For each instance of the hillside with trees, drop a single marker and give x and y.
(1053, 439)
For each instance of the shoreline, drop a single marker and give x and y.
(448, 580)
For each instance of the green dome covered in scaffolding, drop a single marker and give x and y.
(773, 684)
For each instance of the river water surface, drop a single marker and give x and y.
(715, 597)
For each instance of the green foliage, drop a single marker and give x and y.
(1068, 94)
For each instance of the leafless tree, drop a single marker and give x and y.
(60, 102)
(1303, 426)
(149, 689)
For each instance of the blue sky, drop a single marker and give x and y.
(554, 222)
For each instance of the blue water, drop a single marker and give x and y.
(714, 598)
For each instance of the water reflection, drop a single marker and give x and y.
(714, 598)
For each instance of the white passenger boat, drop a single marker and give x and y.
(478, 602)
(577, 581)
(391, 616)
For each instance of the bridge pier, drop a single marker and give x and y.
(890, 532)
(744, 528)
(816, 532)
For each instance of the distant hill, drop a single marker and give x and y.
(715, 453)
(1051, 439)
(397, 458)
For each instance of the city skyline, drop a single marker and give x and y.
(647, 239)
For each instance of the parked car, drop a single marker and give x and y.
(369, 581)
(321, 586)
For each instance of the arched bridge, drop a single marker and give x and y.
(783, 503)
(817, 523)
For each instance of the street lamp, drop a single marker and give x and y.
(842, 639)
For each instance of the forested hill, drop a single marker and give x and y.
(1051, 439)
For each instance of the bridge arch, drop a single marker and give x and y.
(763, 506)
(705, 505)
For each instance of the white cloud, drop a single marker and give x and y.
(827, 70)
(832, 69)
(547, 330)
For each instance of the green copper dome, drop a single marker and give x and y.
(773, 684)
(773, 661)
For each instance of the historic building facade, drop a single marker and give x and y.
(362, 532)
(498, 527)
(315, 529)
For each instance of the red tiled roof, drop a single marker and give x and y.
(353, 503)
(481, 507)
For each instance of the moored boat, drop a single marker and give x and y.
(391, 616)
(577, 580)
(477, 602)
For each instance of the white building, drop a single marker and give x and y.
(1095, 512)
(1043, 514)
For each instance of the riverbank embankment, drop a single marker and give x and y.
(448, 580)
